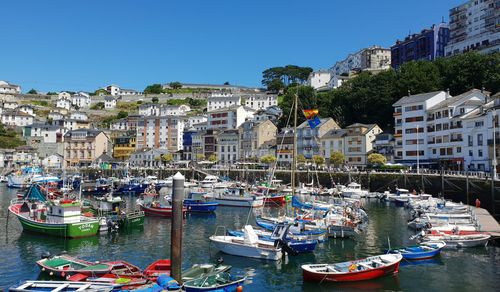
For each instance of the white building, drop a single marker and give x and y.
(55, 161)
(80, 116)
(49, 133)
(193, 120)
(63, 94)
(6, 87)
(161, 132)
(9, 104)
(174, 110)
(201, 126)
(149, 109)
(114, 90)
(474, 26)
(81, 100)
(16, 118)
(25, 155)
(147, 157)
(228, 118)
(109, 102)
(228, 147)
(55, 116)
(26, 108)
(410, 113)
(332, 141)
(64, 103)
(358, 143)
(319, 79)
(260, 101)
(222, 100)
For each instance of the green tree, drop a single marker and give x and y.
(154, 99)
(175, 85)
(167, 157)
(200, 157)
(307, 100)
(153, 89)
(275, 85)
(301, 158)
(121, 115)
(51, 93)
(97, 106)
(288, 75)
(226, 83)
(101, 91)
(376, 158)
(268, 159)
(318, 159)
(337, 158)
(32, 91)
(212, 158)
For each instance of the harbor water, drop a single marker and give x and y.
(474, 269)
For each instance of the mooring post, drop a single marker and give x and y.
(442, 181)
(176, 230)
(493, 191)
(467, 186)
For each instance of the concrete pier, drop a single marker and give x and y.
(486, 222)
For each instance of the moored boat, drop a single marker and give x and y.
(237, 197)
(27, 286)
(425, 250)
(218, 281)
(358, 270)
(458, 241)
(197, 202)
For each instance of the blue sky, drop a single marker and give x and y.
(83, 45)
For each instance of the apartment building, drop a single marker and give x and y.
(474, 26)
(161, 132)
(81, 100)
(228, 147)
(260, 101)
(123, 146)
(229, 118)
(16, 118)
(6, 87)
(83, 146)
(308, 140)
(332, 141)
(254, 135)
(358, 143)
(222, 100)
(284, 147)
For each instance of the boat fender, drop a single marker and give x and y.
(239, 289)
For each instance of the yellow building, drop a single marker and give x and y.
(123, 147)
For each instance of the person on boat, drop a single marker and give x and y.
(352, 267)
(478, 203)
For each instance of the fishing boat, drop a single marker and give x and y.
(237, 197)
(425, 250)
(67, 267)
(133, 186)
(27, 176)
(197, 202)
(209, 181)
(248, 246)
(358, 270)
(114, 208)
(67, 286)
(270, 195)
(61, 218)
(219, 281)
(353, 190)
(98, 187)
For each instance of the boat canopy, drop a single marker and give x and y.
(34, 193)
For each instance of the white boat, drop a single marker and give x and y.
(209, 181)
(237, 197)
(248, 246)
(353, 190)
(37, 285)
(466, 240)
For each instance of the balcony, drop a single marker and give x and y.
(396, 114)
(458, 139)
(430, 118)
(430, 130)
(398, 135)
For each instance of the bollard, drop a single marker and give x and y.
(176, 230)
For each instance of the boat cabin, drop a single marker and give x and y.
(65, 211)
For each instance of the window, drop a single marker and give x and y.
(479, 124)
(442, 151)
(433, 151)
(480, 139)
(459, 150)
(470, 141)
(480, 153)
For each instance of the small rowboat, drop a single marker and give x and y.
(365, 269)
(219, 281)
(158, 210)
(27, 286)
(425, 250)
(157, 268)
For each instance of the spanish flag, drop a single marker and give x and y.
(310, 113)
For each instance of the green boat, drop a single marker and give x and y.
(114, 208)
(60, 218)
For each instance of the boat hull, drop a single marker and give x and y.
(228, 287)
(245, 250)
(240, 202)
(201, 207)
(166, 212)
(71, 230)
(275, 200)
(352, 276)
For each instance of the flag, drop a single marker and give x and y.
(314, 122)
(310, 113)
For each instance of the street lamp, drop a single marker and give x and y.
(494, 162)
(418, 154)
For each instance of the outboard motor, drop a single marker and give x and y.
(279, 235)
(112, 226)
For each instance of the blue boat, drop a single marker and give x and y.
(425, 250)
(197, 202)
(300, 246)
(134, 187)
(317, 234)
(296, 203)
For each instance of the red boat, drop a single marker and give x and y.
(271, 196)
(453, 232)
(157, 268)
(359, 270)
(158, 210)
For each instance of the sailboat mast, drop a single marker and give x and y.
(294, 158)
